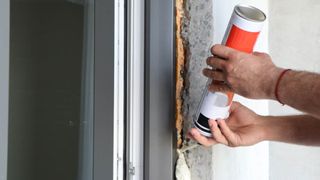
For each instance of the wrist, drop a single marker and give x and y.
(274, 76)
(266, 128)
(274, 129)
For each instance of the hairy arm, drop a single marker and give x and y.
(244, 128)
(301, 90)
(255, 76)
(303, 129)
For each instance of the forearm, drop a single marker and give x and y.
(302, 129)
(301, 90)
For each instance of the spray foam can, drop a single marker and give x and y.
(242, 32)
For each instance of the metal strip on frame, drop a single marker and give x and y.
(104, 90)
(159, 91)
(135, 89)
(119, 91)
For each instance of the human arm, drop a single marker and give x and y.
(255, 76)
(299, 129)
(244, 128)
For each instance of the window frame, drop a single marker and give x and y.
(4, 85)
(103, 143)
(160, 138)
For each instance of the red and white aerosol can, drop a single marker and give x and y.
(242, 32)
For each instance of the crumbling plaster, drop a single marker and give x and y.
(194, 40)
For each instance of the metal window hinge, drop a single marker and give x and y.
(131, 169)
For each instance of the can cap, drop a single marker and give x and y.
(249, 12)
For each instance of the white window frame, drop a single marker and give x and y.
(119, 81)
(129, 80)
(135, 84)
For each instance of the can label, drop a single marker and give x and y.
(238, 36)
(242, 32)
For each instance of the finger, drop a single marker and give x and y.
(216, 133)
(221, 51)
(189, 135)
(226, 131)
(201, 139)
(219, 87)
(217, 63)
(213, 74)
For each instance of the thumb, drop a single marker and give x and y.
(228, 133)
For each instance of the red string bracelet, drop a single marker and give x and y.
(277, 85)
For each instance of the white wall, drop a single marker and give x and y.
(294, 43)
(4, 85)
(245, 163)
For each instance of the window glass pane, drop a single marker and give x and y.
(51, 58)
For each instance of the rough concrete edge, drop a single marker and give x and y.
(180, 66)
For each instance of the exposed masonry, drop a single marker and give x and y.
(180, 63)
(194, 37)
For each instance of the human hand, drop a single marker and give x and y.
(242, 128)
(250, 75)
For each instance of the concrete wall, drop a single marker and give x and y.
(197, 33)
(45, 83)
(294, 36)
(204, 24)
(294, 43)
(4, 85)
